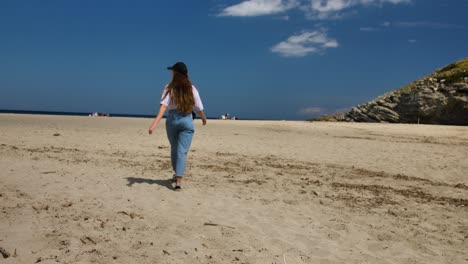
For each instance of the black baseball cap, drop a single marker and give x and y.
(179, 67)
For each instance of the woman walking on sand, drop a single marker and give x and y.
(180, 97)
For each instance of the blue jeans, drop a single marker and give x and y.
(180, 129)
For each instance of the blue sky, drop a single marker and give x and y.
(272, 59)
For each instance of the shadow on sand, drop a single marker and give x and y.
(165, 183)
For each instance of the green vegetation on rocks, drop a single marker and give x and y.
(453, 73)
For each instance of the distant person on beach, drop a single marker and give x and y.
(180, 97)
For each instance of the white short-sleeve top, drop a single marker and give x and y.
(171, 105)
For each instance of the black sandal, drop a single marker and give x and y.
(178, 188)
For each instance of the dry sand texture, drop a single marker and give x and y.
(96, 190)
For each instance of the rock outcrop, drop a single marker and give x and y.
(439, 98)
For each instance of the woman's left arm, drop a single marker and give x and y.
(162, 110)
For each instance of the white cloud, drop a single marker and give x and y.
(259, 7)
(316, 9)
(368, 29)
(324, 9)
(305, 43)
(386, 24)
(329, 5)
(412, 25)
(425, 24)
(311, 42)
(411, 41)
(311, 110)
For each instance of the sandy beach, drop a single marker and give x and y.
(97, 190)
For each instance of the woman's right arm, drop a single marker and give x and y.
(203, 117)
(162, 110)
(163, 106)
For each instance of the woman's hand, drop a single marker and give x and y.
(203, 117)
(151, 129)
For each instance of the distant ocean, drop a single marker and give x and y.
(67, 113)
(28, 112)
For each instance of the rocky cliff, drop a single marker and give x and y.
(439, 98)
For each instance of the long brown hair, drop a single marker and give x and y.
(180, 92)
